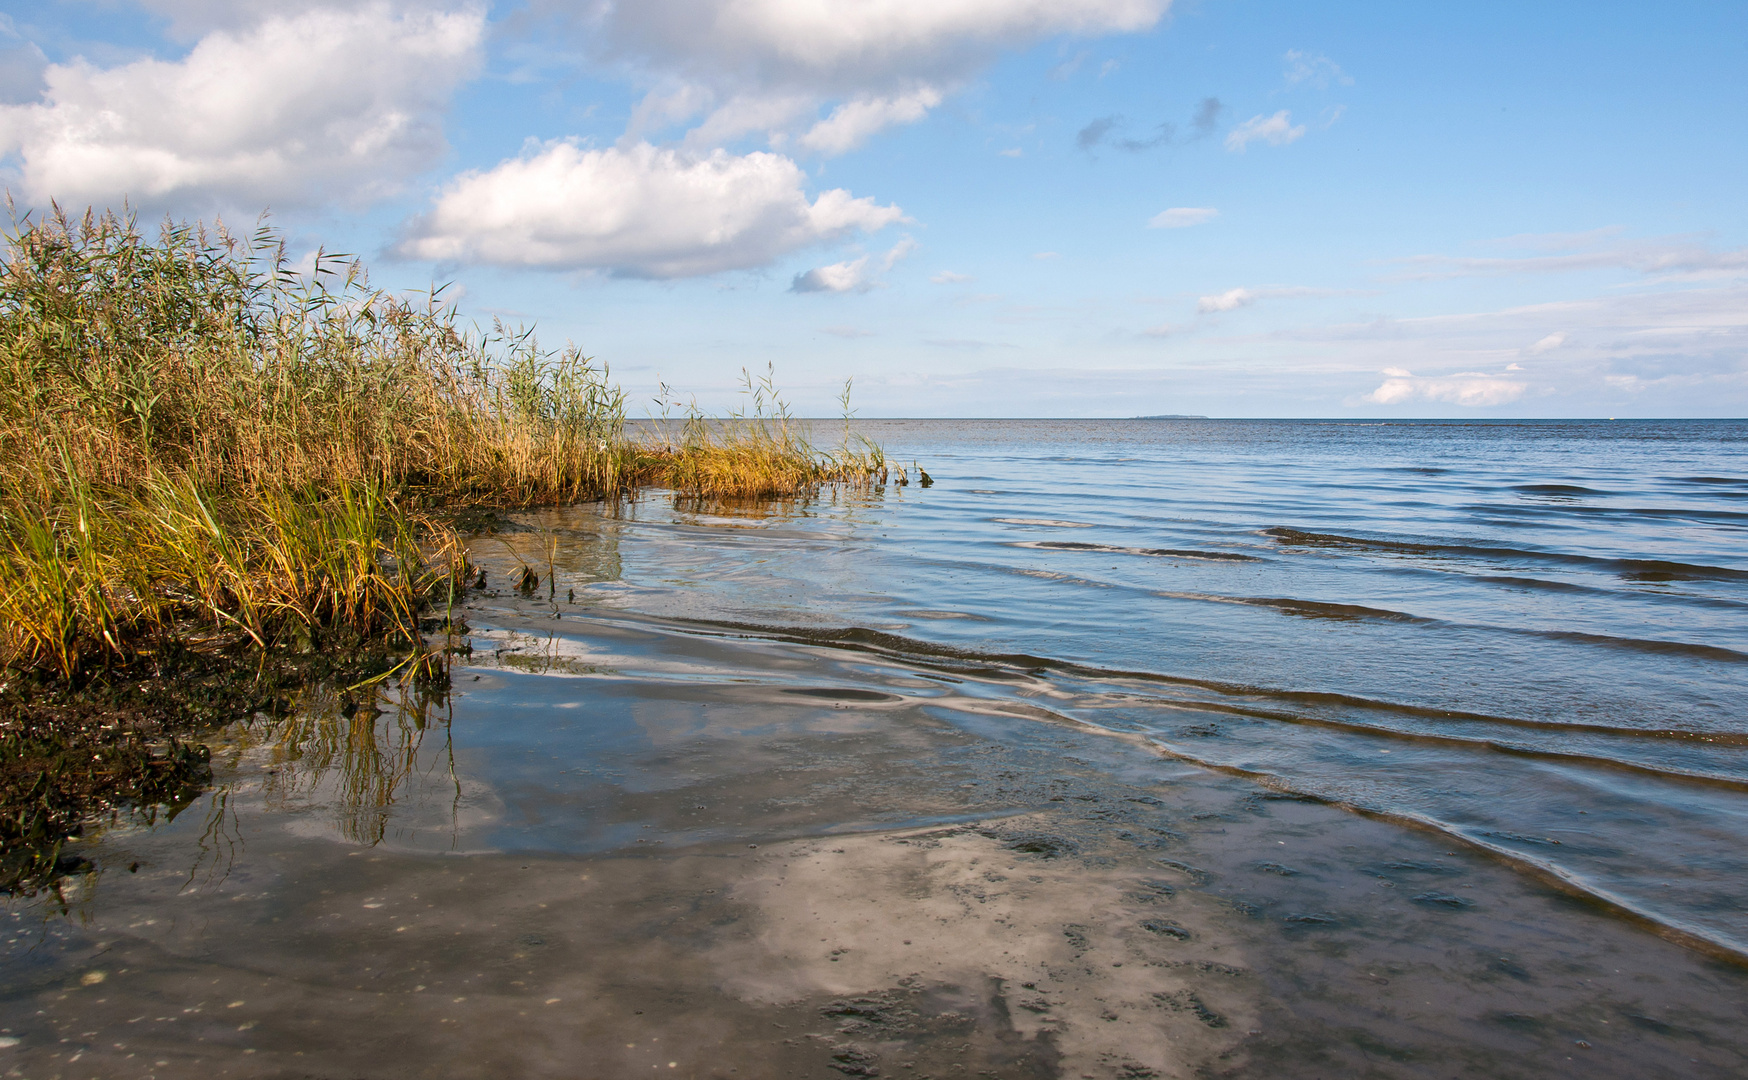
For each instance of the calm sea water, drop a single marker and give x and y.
(1532, 636)
(1127, 748)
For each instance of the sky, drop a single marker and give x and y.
(969, 207)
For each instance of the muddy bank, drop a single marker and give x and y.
(621, 848)
(130, 743)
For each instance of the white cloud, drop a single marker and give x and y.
(636, 212)
(324, 104)
(885, 62)
(1182, 217)
(1548, 344)
(1233, 299)
(189, 19)
(838, 48)
(1047, 255)
(677, 102)
(1276, 130)
(837, 278)
(850, 276)
(1472, 389)
(948, 277)
(1314, 69)
(851, 123)
(899, 250)
(1230, 300)
(1012, 152)
(771, 113)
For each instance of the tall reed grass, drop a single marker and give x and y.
(199, 440)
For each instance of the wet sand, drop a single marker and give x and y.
(634, 850)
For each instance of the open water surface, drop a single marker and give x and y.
(1533, 636)
(1438, 733)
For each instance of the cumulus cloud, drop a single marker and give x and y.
(837, 278)
(1276, 130)
(635, 211)
(839, 48)
(189, 19)
(302, 107)
(851, 123)
(850, 276)
(1473, 389)
(885, 63)
(1182, 217)
(948, 277)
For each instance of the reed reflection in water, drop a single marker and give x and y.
(354, 753)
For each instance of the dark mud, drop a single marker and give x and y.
(129, 743)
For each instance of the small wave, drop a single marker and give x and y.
(922, 613)
(1631, 569)
(1727, 480)
(1044, 522)
(1548, 586)
(1310, 609)
(1650, 645)
(1556, 489)
(1170, 553)
(1316, 609)
(1025, 666)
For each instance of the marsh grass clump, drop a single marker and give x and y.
(200, 441)
(95, 575)
(218, 469)
(210, 354)
(758, 451)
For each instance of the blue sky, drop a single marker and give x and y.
(973, 207)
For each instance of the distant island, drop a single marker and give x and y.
(1171, 416)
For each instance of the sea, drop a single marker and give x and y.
(1109, 748)
(1530, 636)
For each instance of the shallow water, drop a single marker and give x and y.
(1531, 635)
(1001, 776)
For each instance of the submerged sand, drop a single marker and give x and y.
(686, 855)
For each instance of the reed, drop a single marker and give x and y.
(98, 574)
(756, 451)
(199, 443)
